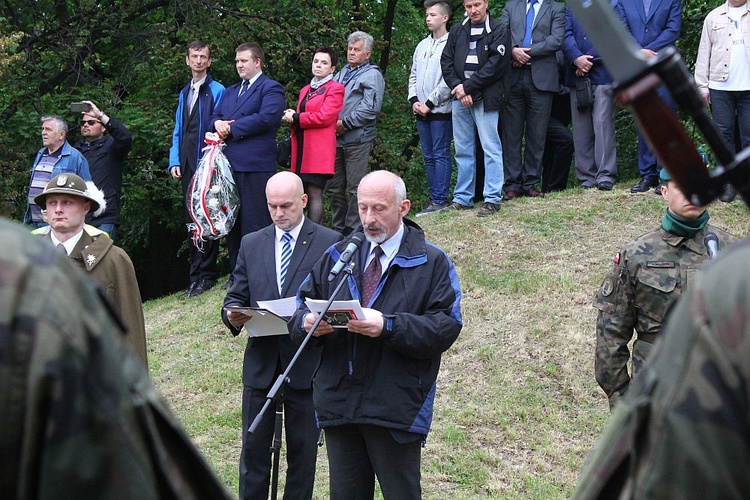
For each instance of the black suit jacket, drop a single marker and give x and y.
(254, 280)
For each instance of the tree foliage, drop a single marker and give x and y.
(128, 57)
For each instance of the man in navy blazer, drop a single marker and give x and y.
(655, 25)
(247, 118)
(257, 277)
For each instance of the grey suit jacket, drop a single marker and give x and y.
(254, 280)
(546, 39)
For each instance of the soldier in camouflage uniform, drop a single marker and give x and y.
(683, 429)
(79, 417)
(649, 273)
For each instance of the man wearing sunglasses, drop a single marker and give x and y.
(106, 154)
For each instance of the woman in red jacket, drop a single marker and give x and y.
(314, 129)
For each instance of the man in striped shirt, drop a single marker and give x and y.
(473, 63)
(56, 157)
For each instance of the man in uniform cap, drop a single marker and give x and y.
(648, 274)
(66, 200)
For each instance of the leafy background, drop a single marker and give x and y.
(128, 57)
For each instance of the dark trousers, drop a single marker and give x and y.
(253, 213)
(202, 260)
(558, 146)
(358, 453)
(525, 115)
(731, 113)
(301, 444)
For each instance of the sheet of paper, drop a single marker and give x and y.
(280, 307)
(262, 322)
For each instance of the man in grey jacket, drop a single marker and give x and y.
(430, 100)
(355, 130)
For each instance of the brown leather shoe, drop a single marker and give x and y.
(533, 193)
(511, 195)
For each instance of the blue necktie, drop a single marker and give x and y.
(245, 85)
(529, 25)
(286, 257)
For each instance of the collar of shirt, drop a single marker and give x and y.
(251, 81)
(54, 154)
(197, 85)
(390, 249)
(294, 232)
(70, 244)
(537, 4)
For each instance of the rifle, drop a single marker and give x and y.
(636, 82)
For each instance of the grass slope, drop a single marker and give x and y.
(517, 406)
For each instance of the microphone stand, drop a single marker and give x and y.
(276, 394)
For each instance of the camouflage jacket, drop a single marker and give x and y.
(648, 274)
(683, 428)
(79, 417)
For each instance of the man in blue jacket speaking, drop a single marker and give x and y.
(375, 385)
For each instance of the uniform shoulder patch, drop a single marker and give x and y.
(607, 286)
(617, 258)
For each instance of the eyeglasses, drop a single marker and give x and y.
(89, 122)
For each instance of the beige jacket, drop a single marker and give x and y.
(715, 46)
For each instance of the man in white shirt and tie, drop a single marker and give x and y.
(271, 264)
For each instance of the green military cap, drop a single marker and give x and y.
(70, 184)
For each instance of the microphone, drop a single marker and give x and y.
(347, 255)
(712, 245)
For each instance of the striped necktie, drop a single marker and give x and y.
(286, 257)
(243, 88)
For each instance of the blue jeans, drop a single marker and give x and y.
(648, 166)
(465, 120)
(110, 229)
(729, 108)
(435, 137)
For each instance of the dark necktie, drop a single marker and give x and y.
(529, 25)
(243, 88)
(371, 276)
(192, 97)
(60, 248)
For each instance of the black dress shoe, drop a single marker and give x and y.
(643, 186)
(188, 293)
(203, 285)
(728, 194)
(604, 186)
(228, 284)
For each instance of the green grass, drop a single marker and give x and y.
(517, 408)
